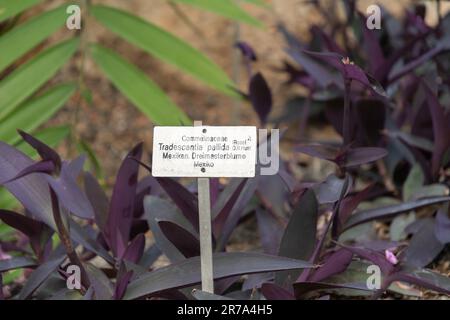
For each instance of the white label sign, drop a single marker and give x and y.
(204, 151)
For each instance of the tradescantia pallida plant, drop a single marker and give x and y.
(384, 92)
(91, 228)
(317, 237)
(105, 238)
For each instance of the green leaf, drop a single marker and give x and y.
(9, 8)
(84, 147)
(24, 81)
(33, 113)
(413, 182)
(138, 88)
(261, 3)
(164, 46)
(26, 36)
(226, 8)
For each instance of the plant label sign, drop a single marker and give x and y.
(204, 151)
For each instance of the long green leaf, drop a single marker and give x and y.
(261, 3)
(163, 45)
(226, 8)
(26, 36)
(32, 114)
(9, 8)
(138, 88)
(18, 86)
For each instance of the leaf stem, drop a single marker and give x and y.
(346, 119)
(65, 239)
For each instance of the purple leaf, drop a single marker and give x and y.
(221, 218)
(145, 186)
(157, 210)
(103, 287)
(328, 41)
(122, 284)
(270, 230)
(69, 194)
(122, 203)
(237, 212)
(274, 193)
(321, 74)
(203, 295)
(343, 157)
(187, 272)
(214, 190)
(150, 256)
(334, 264)
(255, 281)
(43, 150)
(185, 200)
(374, 53)
(39, 275)
(348, 70)
(32, 190)
(44, 166)
(349, 204)
(98, 200)
(426, 279)
(246, 50)
(299, 237)
(412, 65)
(359, 156)
(391, 211)
(329, 190)
(373, 256)
(75, 167)
(16, 263)
(299, 76)
(134, 251)
(38, 232)
(321, 151)
(442, 226)
(260, 96)
(182, 239)
(273, 292)
(424, 247)
(441, 129)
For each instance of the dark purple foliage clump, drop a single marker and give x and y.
(386, 93)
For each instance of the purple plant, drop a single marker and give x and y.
(316, 237)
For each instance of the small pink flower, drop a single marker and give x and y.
(390, 257)
(4, 256)
(346, 61)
